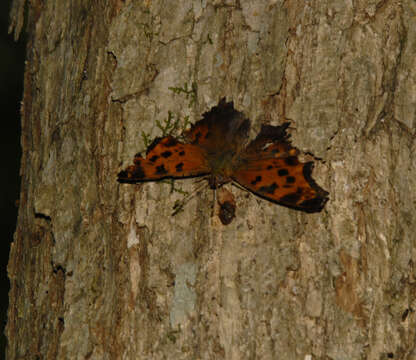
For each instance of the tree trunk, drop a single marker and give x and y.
(100, 270)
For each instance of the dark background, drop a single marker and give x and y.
(12, 56)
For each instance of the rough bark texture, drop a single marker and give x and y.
(102, 271)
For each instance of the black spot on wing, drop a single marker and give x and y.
(269, 189)
(269, 167)
(138, 172)
(166, 154)
(160, 170)
(154, 158)
(179, 167)
(256, 180)
(182, 153)
(282, 172)
(290, 179)
(291, 160)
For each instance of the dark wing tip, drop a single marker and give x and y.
(223, 109)
(270, 133)
(316, 204)
(307, 173)
(223, 103)
(274, 133)
(122, 177)
(132, 174)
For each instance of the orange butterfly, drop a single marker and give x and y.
(217, 146)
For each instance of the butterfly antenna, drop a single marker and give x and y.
(180, 204)
(202, 178)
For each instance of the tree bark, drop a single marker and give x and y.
(100, 270)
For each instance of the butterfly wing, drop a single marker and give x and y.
(221, 129)
(166, 157)
(270, 168)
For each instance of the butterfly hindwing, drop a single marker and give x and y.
(222, 129)
(166, 157)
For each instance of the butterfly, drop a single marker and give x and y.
(218, 147)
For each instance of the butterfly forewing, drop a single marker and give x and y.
(166, 157)
(287, 182)
(270, 168)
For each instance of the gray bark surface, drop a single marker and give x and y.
(100, 270)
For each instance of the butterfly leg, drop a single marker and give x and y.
(180, 204)
(214, 203)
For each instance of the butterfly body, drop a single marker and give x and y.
(217, 146)
(221, 169)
